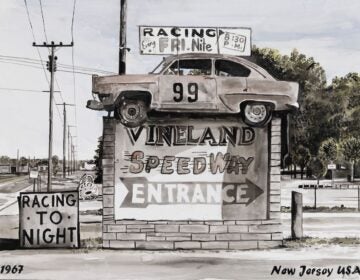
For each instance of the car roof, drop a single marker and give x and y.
(241, 60)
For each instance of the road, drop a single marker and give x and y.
(10, 189)
(138, 265)
(325, 197)
(326, 225)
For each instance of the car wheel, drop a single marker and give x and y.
(132, 113)
(256, 114)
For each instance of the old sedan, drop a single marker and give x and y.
(196, 83)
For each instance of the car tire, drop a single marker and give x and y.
(256, 114)
(131, 113)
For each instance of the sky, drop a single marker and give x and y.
(328, 30)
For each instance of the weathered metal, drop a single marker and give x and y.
(224, 86)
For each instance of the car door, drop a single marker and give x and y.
(188, 84)
(231, 80)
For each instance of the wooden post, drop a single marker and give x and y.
(122, 39)
(315, 194)
(296, 215)
(358, 189)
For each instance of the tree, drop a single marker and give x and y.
(23, 161)
(350, 148)
(328, 150)
(310, 125)
(345, 92)
(301, 156)
(4, 160)
(55, 164)
(98, 161)
(319, 169)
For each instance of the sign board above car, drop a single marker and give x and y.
(163, 40)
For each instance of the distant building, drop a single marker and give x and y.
(5, 169)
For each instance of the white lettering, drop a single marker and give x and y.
(154, 193)
(198, 195)
(137, 193)
(182, 193)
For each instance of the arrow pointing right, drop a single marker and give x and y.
(121, 192)
(253, 191)
(240, 193)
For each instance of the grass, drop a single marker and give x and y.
(316, 241)
(322, 209)
(90, 244)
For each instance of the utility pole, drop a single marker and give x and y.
(52, 68)
(75, 158)
(17, 161)
(69, 149)
(122, 38)
(72, 154)
(64, 137)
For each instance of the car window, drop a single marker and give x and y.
(227, 68)
(192, 67)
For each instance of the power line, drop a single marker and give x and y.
(33, 34)
(43, 20)
(72, 22)
(76, 72)
(31, 61)
(21, 89)
(57, 84)
(38, 52)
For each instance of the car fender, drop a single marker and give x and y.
(234, 101)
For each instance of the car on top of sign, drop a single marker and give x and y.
(196, 83)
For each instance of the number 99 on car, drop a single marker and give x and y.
(192, 91)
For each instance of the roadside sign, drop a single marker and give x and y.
(191, 169)
(49, 220)
(331, 167)
(162, 40)
(33, 174)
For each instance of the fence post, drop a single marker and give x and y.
(296, 215)
(358, 193)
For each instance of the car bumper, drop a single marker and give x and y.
(293, 107)
(95, 105)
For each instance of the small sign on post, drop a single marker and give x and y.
(49, 220)
(34, 174)
(331, 167)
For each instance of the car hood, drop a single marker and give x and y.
(124, 79)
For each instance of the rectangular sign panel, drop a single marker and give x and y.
(331, 166)
(49, 220)
(34, 174)
(191, 169)
(5, 169)
(163, 40)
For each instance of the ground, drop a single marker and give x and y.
(138, 265)
(333, 241)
